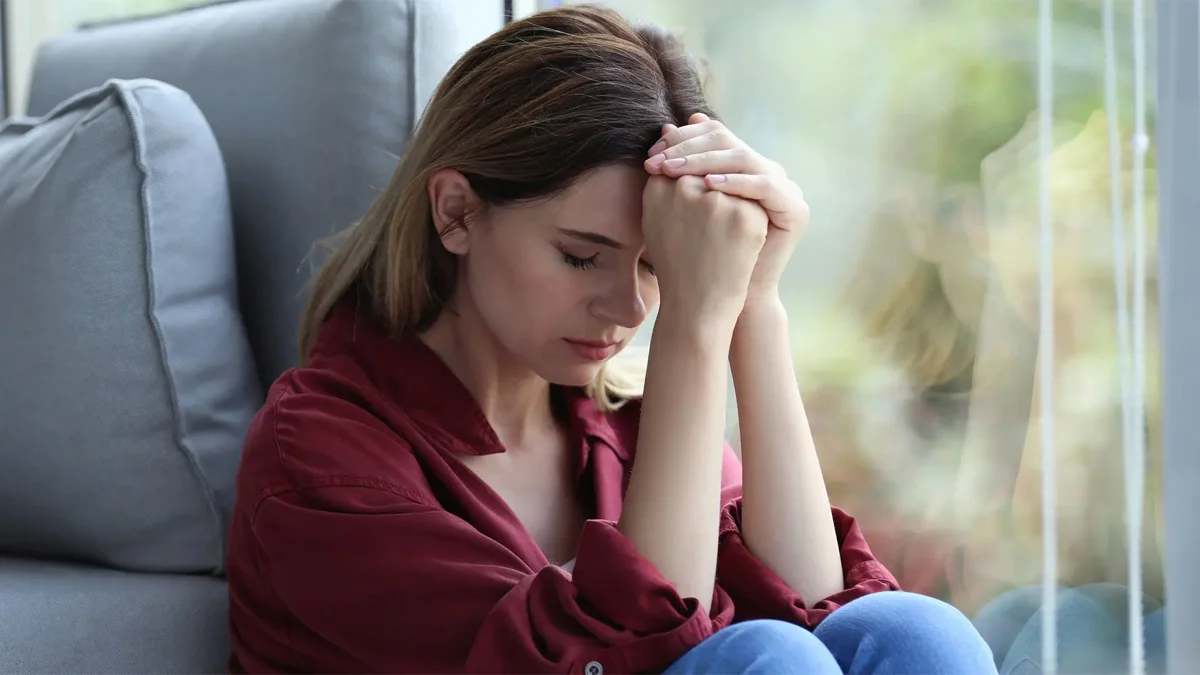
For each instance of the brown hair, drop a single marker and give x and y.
(522, 115)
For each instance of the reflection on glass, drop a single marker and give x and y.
(912, 125)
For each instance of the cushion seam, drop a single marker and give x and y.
(136, 123)
(414, 66)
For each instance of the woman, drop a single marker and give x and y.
(1093, 541)
(448, 482)
(962, 323)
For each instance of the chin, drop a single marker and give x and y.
(574, 375)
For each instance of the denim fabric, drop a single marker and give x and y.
(880, 633)
(1093, 634)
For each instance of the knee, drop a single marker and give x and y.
(917, 630)
(1019, 602)
(763, 631)
(1089, 610)
(1003, 617)
(1114, 598)
(910, 615)
(1102, 605)
(768, 646)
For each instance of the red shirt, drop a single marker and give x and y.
(359, 542)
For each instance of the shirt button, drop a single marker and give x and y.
(593, 668)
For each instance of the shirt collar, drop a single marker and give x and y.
(412, 376)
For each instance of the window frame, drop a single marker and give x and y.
(5, 110)
(1178, 155)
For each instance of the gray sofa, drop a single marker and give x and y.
(158, 211)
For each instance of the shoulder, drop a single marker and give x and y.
(319, 429)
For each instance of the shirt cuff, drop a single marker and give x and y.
(759, 593)
(628, 589)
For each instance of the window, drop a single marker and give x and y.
(30, 22)
(913, 127)
(4, 110)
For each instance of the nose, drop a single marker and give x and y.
(621, 304)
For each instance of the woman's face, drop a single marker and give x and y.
(562, 284)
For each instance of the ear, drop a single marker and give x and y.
(451, 200)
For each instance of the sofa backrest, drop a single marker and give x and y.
(311, 102)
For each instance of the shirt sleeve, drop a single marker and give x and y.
(758, 592)
(399, 586)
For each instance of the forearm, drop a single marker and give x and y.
(786, 517)
(998, 415)
(672, 507)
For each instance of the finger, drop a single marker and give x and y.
(725, 160)
(782, 199)
(1061, 135)
(680, 134)
(718, 139)
(1021, 151)
(661, 143)
(697, 118)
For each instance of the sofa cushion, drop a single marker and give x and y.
(63, 618)
(125, 373)
(312, 102)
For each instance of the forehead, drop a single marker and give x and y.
(607, 200)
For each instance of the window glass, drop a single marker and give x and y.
(28, 23)
(912, 127)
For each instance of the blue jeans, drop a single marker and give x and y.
(901, 633)
(1093, 634)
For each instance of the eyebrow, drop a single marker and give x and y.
(592, 238)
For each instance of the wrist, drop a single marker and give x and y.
(762, 310)
(760, 329)
(712, 311)
(762, 293)
(708, 331)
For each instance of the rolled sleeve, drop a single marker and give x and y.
(464, 603)
(758, 592)
(628, 589)
(646, 625)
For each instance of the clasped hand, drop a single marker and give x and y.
(720, 220)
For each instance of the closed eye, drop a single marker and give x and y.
(580, 263)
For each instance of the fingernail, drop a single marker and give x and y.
(675, 163)
(716, 178)
(657, 159)
(657, 148)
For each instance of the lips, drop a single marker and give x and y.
(592, 350)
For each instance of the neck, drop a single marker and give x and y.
(514, 399)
